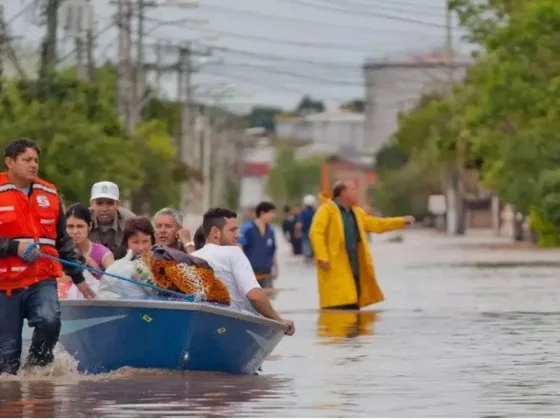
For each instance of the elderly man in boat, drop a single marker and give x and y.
(338, 236)
(169, 230)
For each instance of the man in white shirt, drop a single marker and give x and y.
(232, 266)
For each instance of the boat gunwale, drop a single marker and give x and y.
(174, 305)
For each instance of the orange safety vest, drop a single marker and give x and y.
(32, 217)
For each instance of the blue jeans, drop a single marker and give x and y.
(40, 306)
(306, 248)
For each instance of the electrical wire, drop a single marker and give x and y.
(294, 19)
(369, 14)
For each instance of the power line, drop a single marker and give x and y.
(367, 7)
(294, 19)
(372, 14)
(311, 78)
(393, 2)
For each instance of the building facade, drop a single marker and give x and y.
(338, 129)
(394, 86)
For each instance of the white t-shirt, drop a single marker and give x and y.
(231, 266)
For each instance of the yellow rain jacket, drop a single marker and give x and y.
(336, 286)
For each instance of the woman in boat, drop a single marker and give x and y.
(78, 226)
(97, 256)
(139, 235)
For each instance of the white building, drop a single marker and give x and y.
(339, 129)
(395, 86)
(257, 162)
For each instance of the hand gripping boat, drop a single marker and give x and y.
(105, 335)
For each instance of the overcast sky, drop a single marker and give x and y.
(273, 51)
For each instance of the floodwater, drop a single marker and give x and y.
(470, 328)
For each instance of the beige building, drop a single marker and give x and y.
(395, 85)
(341, 130)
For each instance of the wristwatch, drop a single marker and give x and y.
(189, 244)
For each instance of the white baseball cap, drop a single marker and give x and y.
(105, 189)
(309, 200)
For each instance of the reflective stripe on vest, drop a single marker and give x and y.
(29, 217)
(41, 241)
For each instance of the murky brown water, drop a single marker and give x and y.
(466, 331)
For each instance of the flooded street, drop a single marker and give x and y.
(470, 328)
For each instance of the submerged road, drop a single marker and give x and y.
(469, 328)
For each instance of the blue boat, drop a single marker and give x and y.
(105, 335)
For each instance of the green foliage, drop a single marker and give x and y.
(390, 157)
(548, 234)
(406, 190)
(262, 116)
(549, 194)
(354, 105)
(82, 140)
(309, 105)
(291, 178)
(409, 167)
(504, 119)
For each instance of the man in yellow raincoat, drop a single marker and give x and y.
(338, 235)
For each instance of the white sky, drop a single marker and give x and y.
(273, 51)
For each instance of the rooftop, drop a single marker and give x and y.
(419, 59)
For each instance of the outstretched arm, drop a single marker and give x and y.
(374, 224)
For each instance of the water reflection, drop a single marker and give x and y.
(345, 324)
(139, 393)
(27, 399)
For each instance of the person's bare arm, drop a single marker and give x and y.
(247, 283)
(260, 301)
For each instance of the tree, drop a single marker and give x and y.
(263, 116)
(354, 105)
(512, 121)
(82, 140)
(389, 158)
(291, 178)
(406, 190)
(308, 105)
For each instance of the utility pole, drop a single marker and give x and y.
(3, 40)
(125, 83)
(207, 134)
(456, 223)
(140, 75)
(90, 48)
(49, 46)
(186, 140)
(77, 17)
(186, 133)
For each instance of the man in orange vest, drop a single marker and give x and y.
(32, 227)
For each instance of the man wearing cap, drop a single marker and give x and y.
(109, 217)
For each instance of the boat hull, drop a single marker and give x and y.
(107, 335)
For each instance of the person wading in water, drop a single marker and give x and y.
(345, 269)
(32, 227)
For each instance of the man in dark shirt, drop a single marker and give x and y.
(108, 217)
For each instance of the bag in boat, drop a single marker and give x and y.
(93, 283)
(180, 272)
(135, 269)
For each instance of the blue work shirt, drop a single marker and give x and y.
(306, 217)
(259, 249)
(245, 226)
